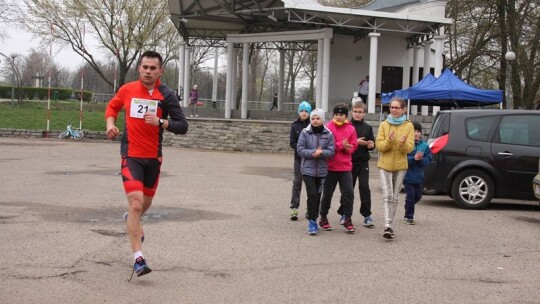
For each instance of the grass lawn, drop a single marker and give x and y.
(31, 115)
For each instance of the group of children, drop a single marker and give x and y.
(338, 153)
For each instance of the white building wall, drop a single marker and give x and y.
(349, 63)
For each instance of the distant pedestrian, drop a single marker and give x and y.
(363, 89)
(304, 109)
(315, 146)
(417, 160)
(274, 102)
(193, 101)
(395, 139)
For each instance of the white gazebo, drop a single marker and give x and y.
(388, 40)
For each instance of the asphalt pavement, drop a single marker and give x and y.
(219, 232)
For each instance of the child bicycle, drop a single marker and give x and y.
(76, 134)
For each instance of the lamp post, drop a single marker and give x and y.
(13, 56)
(509, 57)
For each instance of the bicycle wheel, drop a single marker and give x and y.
(63, 135)
(78, 135)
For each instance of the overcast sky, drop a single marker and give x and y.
(21, 42)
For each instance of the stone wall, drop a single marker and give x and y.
(234, 135)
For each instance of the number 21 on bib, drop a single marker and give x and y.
(141, 106)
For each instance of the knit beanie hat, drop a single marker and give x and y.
(341, 108)
(304, 106)
(317, 112)
(417, 126)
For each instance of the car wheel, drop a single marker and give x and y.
(472, 189)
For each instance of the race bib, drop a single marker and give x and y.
(141, 106)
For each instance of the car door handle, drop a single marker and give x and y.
(505, 154)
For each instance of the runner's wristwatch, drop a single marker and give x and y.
(161, 122)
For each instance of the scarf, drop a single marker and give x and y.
(396, 121)
(318, 129)
(339, 124)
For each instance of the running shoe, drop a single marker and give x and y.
(294, 214)
(349, 225)
(140, 267)
(313, 228)
(388, 233)
(409, 221)
(368, 221)
(342, 220)
(325, 226)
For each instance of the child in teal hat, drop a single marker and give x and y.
(304, 109)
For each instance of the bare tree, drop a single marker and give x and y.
(266, 58)
(309, 70)
(295, 61)
(523, 21)
(6, 16)
(500, 26)
(123, 29)
(35, 68)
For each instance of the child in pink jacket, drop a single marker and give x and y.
(340, 170)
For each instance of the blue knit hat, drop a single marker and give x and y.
(304, 106)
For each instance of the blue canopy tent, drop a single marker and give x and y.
(447, 91)
(404, 94)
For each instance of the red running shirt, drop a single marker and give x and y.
(140, 139)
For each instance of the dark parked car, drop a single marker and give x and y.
(481, 154)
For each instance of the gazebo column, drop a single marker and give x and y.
(416, 71)
(374, 46)
(229, 88)
(181, 75)
(438, 63)
(427, 56)
(326, 74)
(187, 68)
(235, 67)
(320, 58)
(245, 67)
(281, 80)
(215, 78)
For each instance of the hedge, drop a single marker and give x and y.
(33, 93)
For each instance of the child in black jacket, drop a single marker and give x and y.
(360, 159)
(304, 109)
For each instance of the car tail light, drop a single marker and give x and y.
(438, 144)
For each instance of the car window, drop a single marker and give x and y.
(440, 126)
(478, 128)
(519, 130)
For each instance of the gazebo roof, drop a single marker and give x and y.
(214, 19)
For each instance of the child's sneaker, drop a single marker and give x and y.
(342, 220)
(325, 226)
(294, 214)
(313, 228)
(388, 233)
(349, 226)
(368, 221)
(140, 267)
(409, 221)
